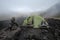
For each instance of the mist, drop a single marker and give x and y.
(53, 11)
(18, 8)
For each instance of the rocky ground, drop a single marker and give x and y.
(54, 24)
(53, 33)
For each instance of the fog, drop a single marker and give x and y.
(18, 8)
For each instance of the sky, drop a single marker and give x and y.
(23, 6)
(26, 5)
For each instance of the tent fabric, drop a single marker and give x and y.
(35, 19)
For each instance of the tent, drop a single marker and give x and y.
(35, 20)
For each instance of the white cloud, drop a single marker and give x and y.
(22, 9)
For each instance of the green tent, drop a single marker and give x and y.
(34, 20)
